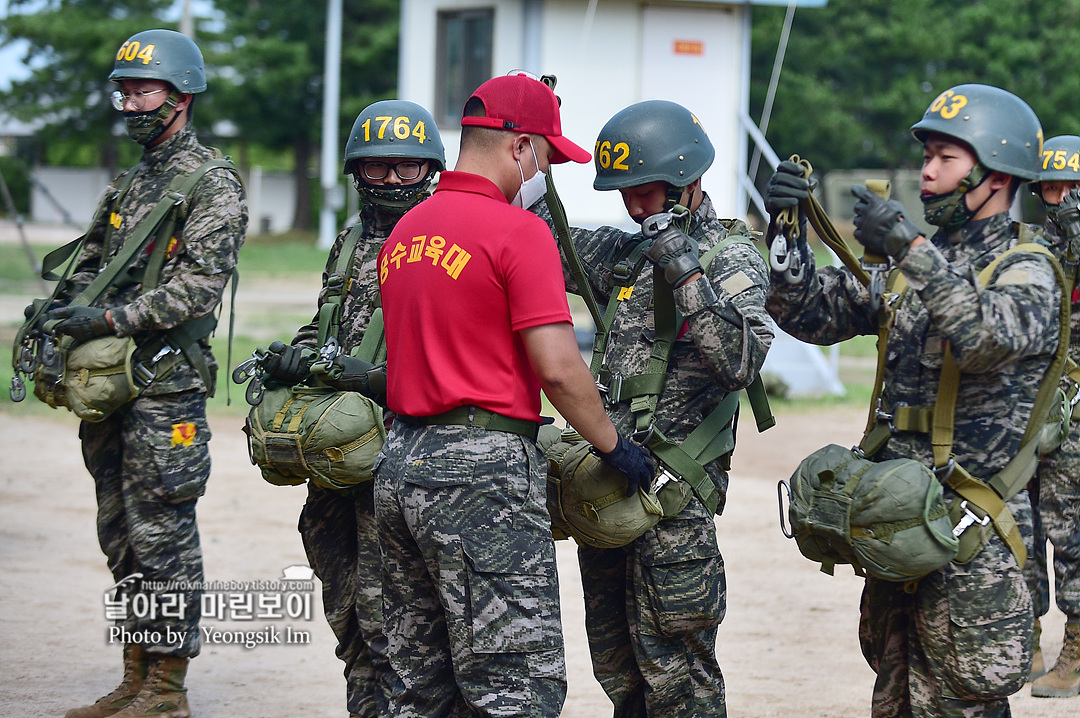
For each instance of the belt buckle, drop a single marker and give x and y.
(142, 374)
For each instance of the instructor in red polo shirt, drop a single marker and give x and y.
(477, 324)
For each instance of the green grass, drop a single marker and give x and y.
(281, 255)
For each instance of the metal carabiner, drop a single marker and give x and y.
(27, 361)
(796, 269)
(779, 253)
(780, 487)
(255, 390)
(246, 369)
(17, 392)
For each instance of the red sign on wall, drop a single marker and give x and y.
(689, 47)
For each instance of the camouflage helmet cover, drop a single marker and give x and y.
(393, 129)
(161, 55)
(1002, 130)
(654, 140)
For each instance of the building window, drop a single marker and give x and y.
(463, 59)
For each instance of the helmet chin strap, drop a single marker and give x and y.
(950, 211)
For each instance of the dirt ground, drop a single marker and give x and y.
(788, 645)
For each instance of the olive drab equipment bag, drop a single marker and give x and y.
(315, 432)
(302, 432)
(587, 498)
(887, 518)
(95, 378)
(890, 519)
(584, 497)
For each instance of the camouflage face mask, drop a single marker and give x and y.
(394, 200)
(949, 211)
(145, 127)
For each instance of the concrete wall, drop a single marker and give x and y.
(77, 190)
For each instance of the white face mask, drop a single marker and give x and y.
(531, 189)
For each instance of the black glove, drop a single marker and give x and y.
(786, 188)
(80, 323)
(352, 374)
(1068, 215)
(881, 225)
(633, 461)
(288, 364)
(32, 308)
(671, 250)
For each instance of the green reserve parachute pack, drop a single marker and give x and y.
(95, 378)
(315, 432)
(587, 498)
(890, 519)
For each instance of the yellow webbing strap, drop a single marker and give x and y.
(943, 430)
(990, 496)
(825, 229)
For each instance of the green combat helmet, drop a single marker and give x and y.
(394, 129)
(161, 55)
(1060, 159)
(651, 141)
(1060, 163)
(999, 127)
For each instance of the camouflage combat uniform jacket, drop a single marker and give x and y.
(150, 460)
(961, 643)
(719, 349)
(197, 267)
(1055, 491)
(653, 607)
(350, 570)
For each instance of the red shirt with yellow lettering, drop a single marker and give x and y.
(461, 274)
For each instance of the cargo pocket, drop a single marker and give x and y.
(512, 595)
(990, 621)
(684, 577)
(182, 461)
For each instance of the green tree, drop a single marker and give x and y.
(71, 45)
(859, 73)
(272, 90)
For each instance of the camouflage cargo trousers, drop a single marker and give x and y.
(342, 546)
(652, 610)
(1055, 498)
(150, 462)
(960, 644)
(470, 589)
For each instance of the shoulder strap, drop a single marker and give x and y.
(714, 437)
(667, 320)
(1052, 377)
(185, 185)
(337, 286)
(186, 337)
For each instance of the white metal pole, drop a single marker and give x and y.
(332, 193)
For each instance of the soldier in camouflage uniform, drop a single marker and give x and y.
(392, 174)
(1055, 490)
(653, 608)
(958, 642)
(150, 459)
(476, 324)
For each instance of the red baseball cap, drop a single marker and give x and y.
(521, 104)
